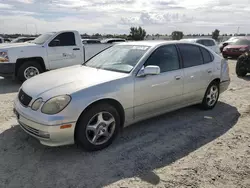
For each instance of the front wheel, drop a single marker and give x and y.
(28, 70)
(97, 127)
(211, 96)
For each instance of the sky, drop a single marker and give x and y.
(117, 16)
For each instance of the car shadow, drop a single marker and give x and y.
(247, 77)
(8, 86)
(141, 149)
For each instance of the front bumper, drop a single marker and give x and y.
(224, 85)
(49, 135)
(232, 54)
(7, 69)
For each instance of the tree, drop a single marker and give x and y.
(137, 33)
(177, 35)
(215, 34)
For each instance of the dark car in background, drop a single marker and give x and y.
(237, 48)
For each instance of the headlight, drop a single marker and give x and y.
(36, 104)
(55, 104)
(4, 56)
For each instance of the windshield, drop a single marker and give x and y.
(242, 42)
(15, 40)
(120, 58)
(42, 38)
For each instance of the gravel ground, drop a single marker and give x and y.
(186, 148)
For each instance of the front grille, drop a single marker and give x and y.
(24, 98)
(33, 131)
(234, 49)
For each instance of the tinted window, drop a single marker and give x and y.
(66, 39)
(165, 57)
(207, 57)
(191, 55)
(206, 42)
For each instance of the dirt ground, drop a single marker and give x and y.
(186, 148)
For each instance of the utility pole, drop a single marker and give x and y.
(238, 30)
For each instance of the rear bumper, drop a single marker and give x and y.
(7, 69)
(224, 85)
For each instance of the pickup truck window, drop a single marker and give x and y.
(64, 39)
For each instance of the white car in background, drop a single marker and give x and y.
(208, 42)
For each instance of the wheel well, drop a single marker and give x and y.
(21, 61)
(217, 80)
(112, 102)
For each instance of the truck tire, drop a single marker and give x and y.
(240, 71)
(28, 69)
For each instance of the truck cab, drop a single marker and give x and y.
(49, 51)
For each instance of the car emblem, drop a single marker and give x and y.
(22, 97)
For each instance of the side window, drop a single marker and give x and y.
(212, 43)
(191, 55)
(207, 57)
(201, 42)
(166, 57)
(64, 39)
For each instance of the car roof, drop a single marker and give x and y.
(200, 38)
(152, 43)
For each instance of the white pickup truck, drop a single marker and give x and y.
(49, 51)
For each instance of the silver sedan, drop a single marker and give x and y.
(126, 83)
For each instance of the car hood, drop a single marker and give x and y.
(15, 45)
(236, 46)
(68, 80)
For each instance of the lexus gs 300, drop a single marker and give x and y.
(89, 104)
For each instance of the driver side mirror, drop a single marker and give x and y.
(55, 42)
(149, 70)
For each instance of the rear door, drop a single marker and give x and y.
(198, 71)
(64, 52)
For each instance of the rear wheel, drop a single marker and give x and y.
(28, 70)
(97, 127)
(225, 56)
(211, 96)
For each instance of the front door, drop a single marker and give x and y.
(154, 93)
(63, 51)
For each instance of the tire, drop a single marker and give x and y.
(239, 70)
(87, 120)
(23, 68)
(224, 56)
(205, 103)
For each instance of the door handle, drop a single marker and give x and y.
(177, 77)
(209, 71)
(76, 48)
